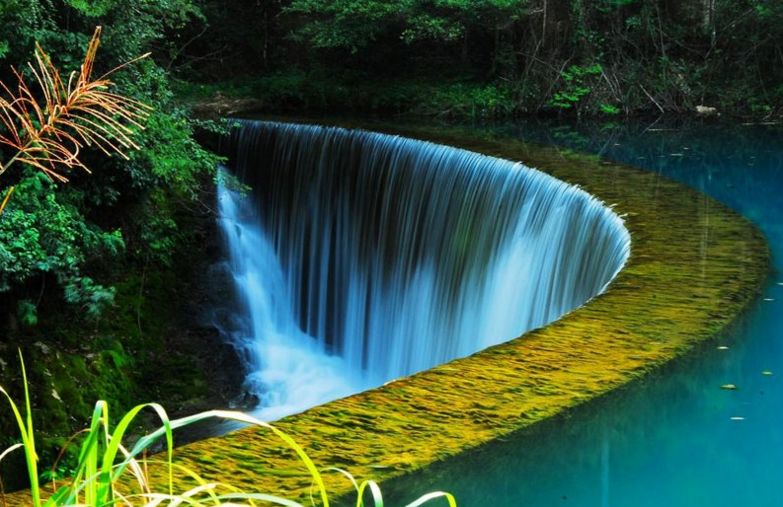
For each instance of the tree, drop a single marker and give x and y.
(69, 254)
(128, 202)
(46, 126)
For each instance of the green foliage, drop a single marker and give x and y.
(57, 473)
(576, 85)
(159, 234)
(422, 26)
(161, 164)
(654, 54)
(356, 24)
(43, 232)
(104, 471)
(69, 233)
(344, 24)
(316, 91)
(92, 8)
(92, 297)
(469, 100)
(27, 312)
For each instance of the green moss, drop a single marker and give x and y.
(125, 357)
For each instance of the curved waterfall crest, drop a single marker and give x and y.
(360, 257)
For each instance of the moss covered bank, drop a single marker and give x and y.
(155, 342)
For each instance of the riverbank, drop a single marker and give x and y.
(158, 342)
(300, 93)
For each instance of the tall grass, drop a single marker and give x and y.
(47, 123)
(108, 473)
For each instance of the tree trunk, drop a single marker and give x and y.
(708, 19)
(494, 69)
(707, 14)
(465, 47)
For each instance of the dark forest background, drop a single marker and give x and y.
(490, 58)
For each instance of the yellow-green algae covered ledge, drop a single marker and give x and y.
(694, 266)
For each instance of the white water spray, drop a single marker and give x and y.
(287, 370)
(362, 257)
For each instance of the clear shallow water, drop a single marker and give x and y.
(669, 441)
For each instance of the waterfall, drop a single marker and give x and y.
(360, 257)
(287, 370)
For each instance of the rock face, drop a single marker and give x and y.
(215, 373)
(707, 111)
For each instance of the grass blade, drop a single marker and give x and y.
(432, 496)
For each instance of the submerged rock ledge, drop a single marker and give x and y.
(695, 266)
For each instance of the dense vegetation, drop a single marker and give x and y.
(491, 57)
(89, 278)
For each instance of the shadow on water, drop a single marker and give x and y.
(677, 438)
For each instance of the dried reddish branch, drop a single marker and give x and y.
(47, 130)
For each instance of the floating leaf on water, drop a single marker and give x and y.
(767, 373)
(737, 418)
(769, 299)
(729, 387)
(723, 347)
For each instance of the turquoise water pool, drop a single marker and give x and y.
(678, 438)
